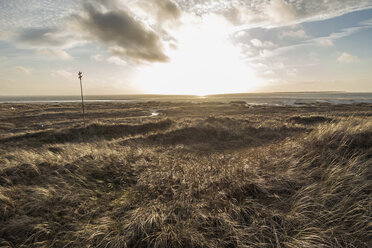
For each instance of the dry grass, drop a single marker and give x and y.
(234, 180)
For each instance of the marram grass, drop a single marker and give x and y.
(196, 182)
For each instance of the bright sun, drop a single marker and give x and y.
(204, 62)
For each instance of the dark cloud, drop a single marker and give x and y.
(40, 37)
(49, 41)
(126, 35)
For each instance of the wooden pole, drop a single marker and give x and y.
(82, 96)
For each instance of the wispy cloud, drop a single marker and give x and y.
(296, 34)
(40, 37)
(347, 58)
(46, 37)
(97, 57)
(63, 73)
(49, 42)
(326, 42)
(262, 44)
(116, 60)
(21, 14)
(278, 13)
(320, 41)
(54, 53)
(21, 69)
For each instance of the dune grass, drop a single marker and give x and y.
(229, 181)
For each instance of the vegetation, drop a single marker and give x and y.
(197, 175)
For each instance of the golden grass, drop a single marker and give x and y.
(228, 181)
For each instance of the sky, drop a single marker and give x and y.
(196, 47)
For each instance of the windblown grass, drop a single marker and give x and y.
(79, 134)
(193, 182)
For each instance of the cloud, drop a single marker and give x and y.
(97, 57)
(21, 14)
(125, 35)
(63, 73)
(276, 13)
(279, 11)
(112, 59)
(258, 65)
(39, 37)
(326, 42)
(292, 72)
(322, 41)
(266, 53)
(21, 69)
(259, 43)
(116, 60)
(347, 58)
(47, 41)
(158, 11)
(167, 9)
(4, 35)
(298, 34)
(326, 9)
(55, 53)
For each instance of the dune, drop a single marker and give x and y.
(195, 175)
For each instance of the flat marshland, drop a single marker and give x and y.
(183, 174)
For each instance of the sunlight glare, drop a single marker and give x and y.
(204, 62)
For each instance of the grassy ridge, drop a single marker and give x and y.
(191, 182)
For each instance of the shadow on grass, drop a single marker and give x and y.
(79, 134)
(219, 134)
(310, 119)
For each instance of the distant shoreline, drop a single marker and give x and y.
(272, 99)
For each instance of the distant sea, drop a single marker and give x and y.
(278, 99)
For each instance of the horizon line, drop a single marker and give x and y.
(150, 94)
